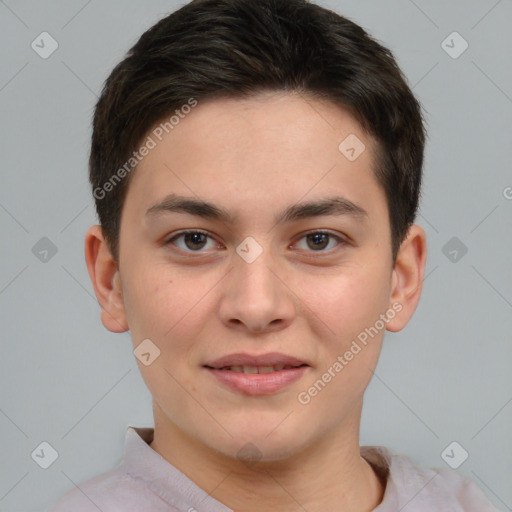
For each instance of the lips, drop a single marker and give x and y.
(264, 361)
(257, 375)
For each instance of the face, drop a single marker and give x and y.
(254, 281)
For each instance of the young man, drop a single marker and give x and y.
(257, 168)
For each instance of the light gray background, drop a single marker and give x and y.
(66, 380)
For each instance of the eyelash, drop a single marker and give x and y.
(340, 240)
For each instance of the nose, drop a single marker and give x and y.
(256, 296)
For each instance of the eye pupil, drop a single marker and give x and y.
(195, 239)
(317, 237)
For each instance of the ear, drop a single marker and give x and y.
(104, 274)
(407, 277)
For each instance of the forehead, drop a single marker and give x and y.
(295, 125)
(257, 154)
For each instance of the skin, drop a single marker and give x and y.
(255, 157)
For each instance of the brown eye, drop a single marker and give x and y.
(317, 241)
(193, 241)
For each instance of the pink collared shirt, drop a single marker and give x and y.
(144, 481)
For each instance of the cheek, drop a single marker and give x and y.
(351, 300)
(152, 303)
(350, 306)
(161, 309)
(167, 308)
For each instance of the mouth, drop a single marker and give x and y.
(250, 375)
(262, 363)
(257, 369)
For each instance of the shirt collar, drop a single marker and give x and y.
(384, 465)
(162, 478)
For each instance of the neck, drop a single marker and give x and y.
(329, 474)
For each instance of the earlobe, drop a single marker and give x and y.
(104, 274)
(407, 278)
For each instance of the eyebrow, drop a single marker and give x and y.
(336, 205)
